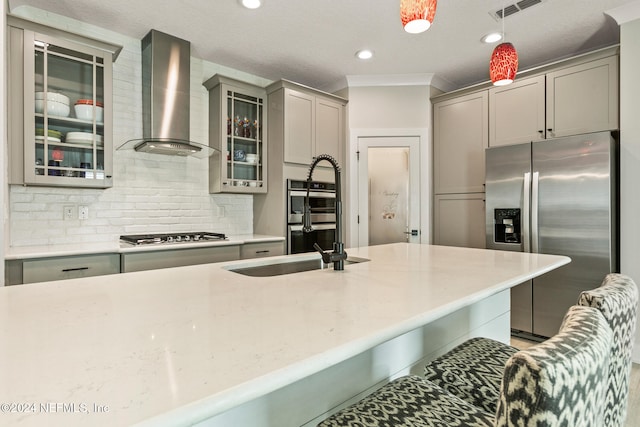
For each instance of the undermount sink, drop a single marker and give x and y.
(280, 267)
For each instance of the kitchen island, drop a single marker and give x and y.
(202, 343)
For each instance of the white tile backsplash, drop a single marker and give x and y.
(151, 193)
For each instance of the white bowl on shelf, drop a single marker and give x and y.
(53, 96)
(54, 108)
(251, 158)
(85, 112)
(83, 138)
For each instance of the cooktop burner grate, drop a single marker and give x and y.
(150, 239)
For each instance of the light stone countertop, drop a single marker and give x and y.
(176, 346)
(45, 251)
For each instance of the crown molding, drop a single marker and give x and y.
(625, 13)
(418, 79)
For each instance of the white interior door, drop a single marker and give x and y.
(388, 190)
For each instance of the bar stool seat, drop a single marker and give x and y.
(411, 401)
(558, 382)
(472, 371)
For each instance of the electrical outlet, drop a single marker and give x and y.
(83, 212)
(67, 212)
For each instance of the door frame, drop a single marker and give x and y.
(425, 173)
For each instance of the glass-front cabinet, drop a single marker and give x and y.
(237, 119)
(60, 108)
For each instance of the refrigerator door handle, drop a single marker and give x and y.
(534, 212)
(526, 208)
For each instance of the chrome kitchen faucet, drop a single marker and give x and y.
(338, 255)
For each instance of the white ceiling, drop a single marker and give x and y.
(313, 42)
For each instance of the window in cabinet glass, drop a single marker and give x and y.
(69, 113)
(244, 140)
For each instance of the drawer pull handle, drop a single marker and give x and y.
(263, 252)
(66, 270)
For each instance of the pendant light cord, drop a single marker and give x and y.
(503, 39)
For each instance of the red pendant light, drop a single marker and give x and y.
(504, 61)
(417, 15)
(503, 65)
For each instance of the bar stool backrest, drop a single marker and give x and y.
(617, 300)
(559, 382)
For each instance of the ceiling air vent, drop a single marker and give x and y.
(514, 8)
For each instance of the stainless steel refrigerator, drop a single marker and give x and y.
(557, 196)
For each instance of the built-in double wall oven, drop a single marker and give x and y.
(322, 200)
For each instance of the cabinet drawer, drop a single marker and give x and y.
(260, 250)
(178, 258)
(60, 268)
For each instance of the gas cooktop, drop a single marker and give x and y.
(152, 239)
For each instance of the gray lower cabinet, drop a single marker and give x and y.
(22, 271)
(60, 268)
(140, 261)
(459, 220)
(261, 250)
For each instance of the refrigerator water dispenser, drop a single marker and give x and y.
(507, 225)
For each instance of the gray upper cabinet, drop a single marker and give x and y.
(330, 128)
(60, 107)
(313, 122)
(300, 126)
(238, 130)
(579, 95)
(460, 136)
(583, 98)
(517, 112)
(578, 99)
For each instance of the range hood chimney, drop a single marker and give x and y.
(166, 69)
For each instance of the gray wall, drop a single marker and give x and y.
(151, 193)
(3, 138)
(391, 109)
(630, 155)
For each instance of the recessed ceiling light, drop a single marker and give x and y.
(364, 54)
(251, 4)
(491, 38)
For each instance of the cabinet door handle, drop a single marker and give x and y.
(66, 270)
(263, 252)
(549, 130)
(541, 132)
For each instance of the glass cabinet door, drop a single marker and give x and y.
(66, 126)
(244, 140)
(238, 133)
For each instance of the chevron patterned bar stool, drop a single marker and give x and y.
(617, 300)
(473, 370)
(557, 382)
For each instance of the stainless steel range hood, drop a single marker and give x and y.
(166, 69)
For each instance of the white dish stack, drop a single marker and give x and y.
(57, 104)
(83, 138)
(84, 110)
